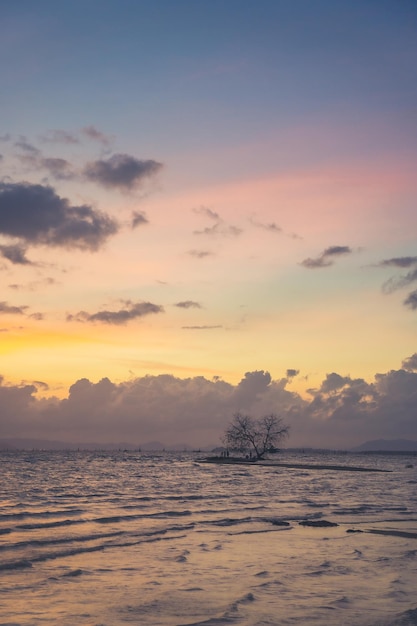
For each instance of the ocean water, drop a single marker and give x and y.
(111, 539)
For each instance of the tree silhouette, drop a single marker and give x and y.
(258, 436)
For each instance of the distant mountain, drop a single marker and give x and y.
(46, 444)
(387, 445)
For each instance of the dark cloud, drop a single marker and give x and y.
(5, 137)
(38, 216)
(121, 171)
(138, 219)
(15, 253)
(13, 310)
(291, 373)
(131, 311)
(326, 258)
(188, 304)
(411, 300)
(206, 327)
(404, 261)
(410, 363)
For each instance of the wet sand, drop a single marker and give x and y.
(310, 466)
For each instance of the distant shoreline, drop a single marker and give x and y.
(219, 460)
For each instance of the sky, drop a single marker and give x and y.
(208, 207)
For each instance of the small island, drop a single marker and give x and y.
(255, 438)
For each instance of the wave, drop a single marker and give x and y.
(47, 556)
(8, 517)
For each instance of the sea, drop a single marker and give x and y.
(91, 538)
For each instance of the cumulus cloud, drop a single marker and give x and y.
(36, 215)
(342, 412)
(121, 171)
(252, 385)
(139, 219)
(410, 363)
(130, 311)
(333, 382)
(327, 257)
(15, 253)
(188, 304)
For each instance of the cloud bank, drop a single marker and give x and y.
(341, 413)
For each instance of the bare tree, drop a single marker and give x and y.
(259, 436)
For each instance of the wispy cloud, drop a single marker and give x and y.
(411, 300)
(271, 227)
(327, 257)
(188, 304)
(138, 219)
(200, 254)
(95, 134)
(13, 310)
(219, 227)
(398, 282)
(204, 327)
(130, 311)
(59, 136)
(15, 253)
(58, 168)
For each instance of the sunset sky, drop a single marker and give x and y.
(205, 207)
